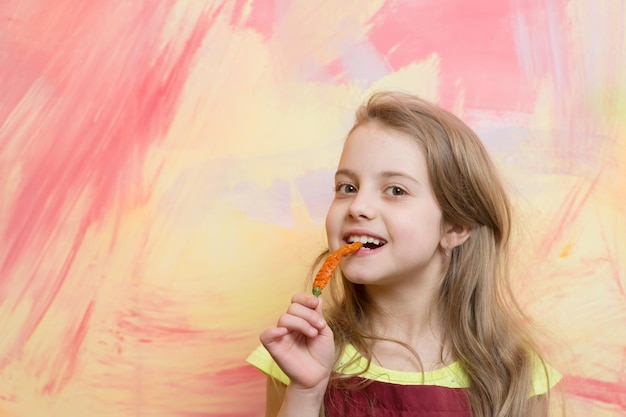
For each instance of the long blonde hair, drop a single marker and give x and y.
(485, 328)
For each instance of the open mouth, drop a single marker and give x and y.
(368, 242)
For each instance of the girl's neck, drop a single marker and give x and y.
(405, 311)
(412, 318)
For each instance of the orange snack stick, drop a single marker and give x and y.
(330, 264)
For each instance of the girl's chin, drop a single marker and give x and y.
(358, 280)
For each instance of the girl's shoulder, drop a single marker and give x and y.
(353, 363)
(261, 359)
(545, 377)
(451, 376)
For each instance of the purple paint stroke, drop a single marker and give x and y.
(316, 189)
(270, 204)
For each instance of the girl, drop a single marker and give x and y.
(421, 321)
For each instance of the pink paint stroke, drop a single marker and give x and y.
(262, 18)
(107, 99)
(475, 41)
(594, 389)
(247, 381)
(616, 267)
(72, 349)
(568, 212)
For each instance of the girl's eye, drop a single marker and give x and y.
(395, 191)
(345, 188)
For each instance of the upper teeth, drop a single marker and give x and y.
(364, 239)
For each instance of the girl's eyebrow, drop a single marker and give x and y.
(389, 174)
(346, 172)
(384, 174)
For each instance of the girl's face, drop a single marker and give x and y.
(383, 197)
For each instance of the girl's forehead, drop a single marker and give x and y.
(371, 148)
(374, 138)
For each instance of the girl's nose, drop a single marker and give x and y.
(362, 207)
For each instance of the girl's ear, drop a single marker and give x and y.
(455, 235)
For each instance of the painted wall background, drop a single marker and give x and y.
(165, 167)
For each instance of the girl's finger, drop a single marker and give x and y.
(269, 336)
(306, 300)
(320, 300)
(313, 317)
(297, 324)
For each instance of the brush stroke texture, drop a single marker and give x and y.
(165, 168)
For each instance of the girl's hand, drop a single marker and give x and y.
(302, 344)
